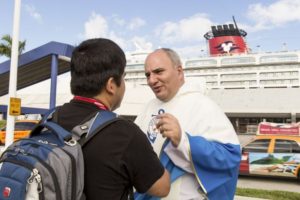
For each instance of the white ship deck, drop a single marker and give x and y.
(260, 70)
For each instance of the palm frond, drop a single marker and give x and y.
(6, 46)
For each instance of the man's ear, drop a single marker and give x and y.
(110, 86)
(180, 70)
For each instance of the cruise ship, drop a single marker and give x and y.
(236, 71)
(250, 87)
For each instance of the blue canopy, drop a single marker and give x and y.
(39, 64)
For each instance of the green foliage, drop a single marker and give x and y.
(286, 158)
(267, 194)
(2, 123)
(6, 45)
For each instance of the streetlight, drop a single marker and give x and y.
(9, 137)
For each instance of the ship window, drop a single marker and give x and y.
(194, 63)
(240, 60)
(278, 58)
(134, 66)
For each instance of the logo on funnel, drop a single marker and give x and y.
(226, 47)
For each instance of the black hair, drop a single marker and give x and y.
(93, 62)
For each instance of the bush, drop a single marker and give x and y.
(268, 194)
(2, 123)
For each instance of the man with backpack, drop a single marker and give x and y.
(119, 157)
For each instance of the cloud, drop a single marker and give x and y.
(117, 39)
(119, 21)
(96, 26)
(189, 29)
(186, 30)
(141, 43)
(192, 51)
(130, 25)
(136, 23)
(113, 28)
(31, 10)
(274, 15)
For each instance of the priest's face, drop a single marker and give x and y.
(163, 77)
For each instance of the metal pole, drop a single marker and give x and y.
(13, 73)
(54, 71)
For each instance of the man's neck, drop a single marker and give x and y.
(103, 100)
(94, 100)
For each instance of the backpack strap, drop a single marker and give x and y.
(57, 130)
(84, 132)
(51, 114)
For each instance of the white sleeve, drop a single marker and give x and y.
(180, 155)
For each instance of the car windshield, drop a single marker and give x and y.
(21, 126)
(260, 145)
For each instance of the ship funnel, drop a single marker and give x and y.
(226, 40)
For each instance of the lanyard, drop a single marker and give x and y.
(91, 100)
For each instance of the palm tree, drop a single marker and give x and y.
(6, 44)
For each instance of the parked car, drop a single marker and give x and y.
(22, 129)
(273, 153)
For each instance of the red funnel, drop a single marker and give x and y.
(226, 39)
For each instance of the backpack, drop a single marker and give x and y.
(49, 163)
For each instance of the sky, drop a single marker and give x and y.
(272, 25)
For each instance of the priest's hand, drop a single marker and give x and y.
(169, 127)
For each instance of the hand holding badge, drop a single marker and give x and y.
(165, 124)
